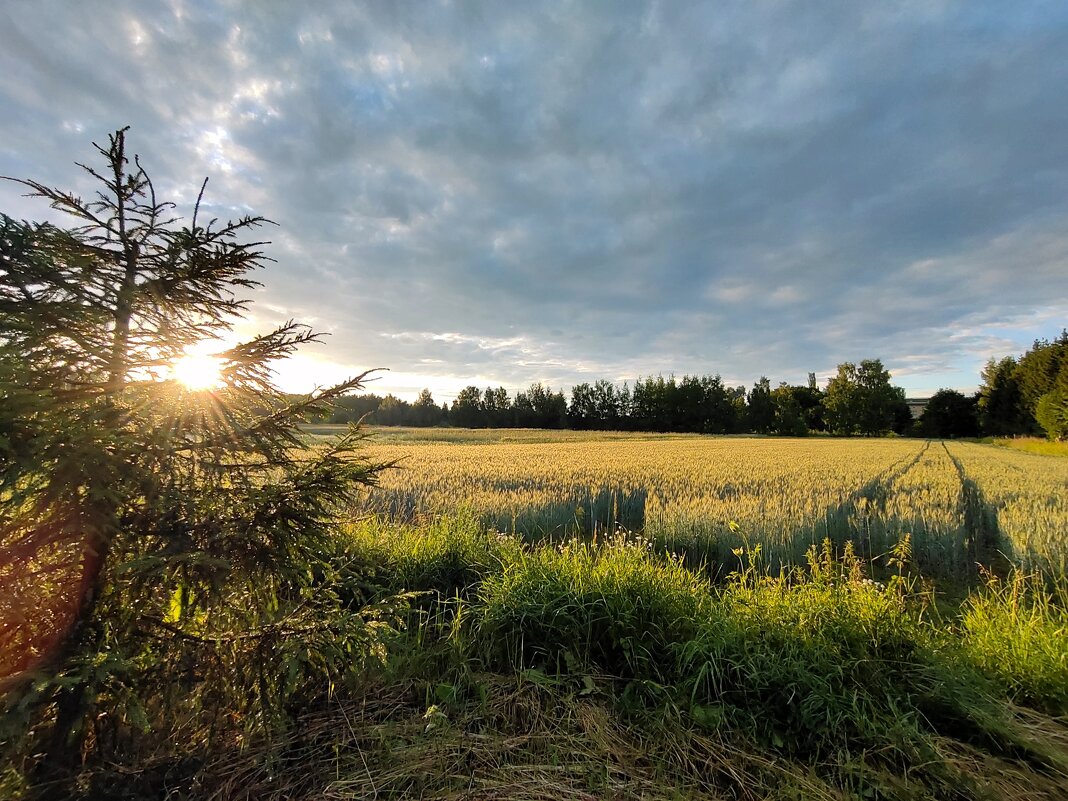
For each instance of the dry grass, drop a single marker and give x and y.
(523, 741)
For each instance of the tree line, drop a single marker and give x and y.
(1028, 394)
(1025, 395)
(858, 400)
(1019, 396)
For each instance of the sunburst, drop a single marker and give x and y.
(198, 372)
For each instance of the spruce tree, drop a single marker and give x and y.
(160, 548)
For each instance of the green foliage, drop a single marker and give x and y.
(425, 412)
(1000, 400)
(822, 664)
(448, 556)
(1051, 412)
(1016, 631)
(467, 409)
(761, 407)
(860, 399)
(791, 418)
(614, 605)
(1016, 391)
(815, 666)
(497, 407)
(842, 401)
(194, 529)
(948, 414)
(1042, 369)
(540, 407)
(696, 403)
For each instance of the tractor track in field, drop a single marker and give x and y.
(877, 490)
(987, 546)
(874, 493)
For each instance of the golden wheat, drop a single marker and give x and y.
(708, 496)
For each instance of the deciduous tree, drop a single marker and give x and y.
(467, 409)
(860, 399)
(761, 407)
(949, 414)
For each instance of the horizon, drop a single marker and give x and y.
(489, 196)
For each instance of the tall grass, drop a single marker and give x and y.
(613, 605)
(446, 555)
(609, 668)
(1016, 631)
(1044, 447)
(627, 608)
(821, 663)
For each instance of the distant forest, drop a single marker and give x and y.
(1027, 395)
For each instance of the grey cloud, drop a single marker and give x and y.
(626, 188)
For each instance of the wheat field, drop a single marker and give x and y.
(961, 503)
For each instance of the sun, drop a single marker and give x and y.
(198, 371)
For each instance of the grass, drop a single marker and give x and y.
(819, 669)
(611, 605)
(1037, 445)
(798, 619)
(1016, 631)
(447, 556)
(521, 740)
(610, 669)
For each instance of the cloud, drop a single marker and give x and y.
(574, 192)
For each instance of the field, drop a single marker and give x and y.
(553, 615)
(1034, 445)
(961, 503)
(636, 616)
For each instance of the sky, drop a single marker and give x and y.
(505, 193)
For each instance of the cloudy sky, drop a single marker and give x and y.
(510, 192)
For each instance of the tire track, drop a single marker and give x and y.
(874, 494)
(986, 545)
